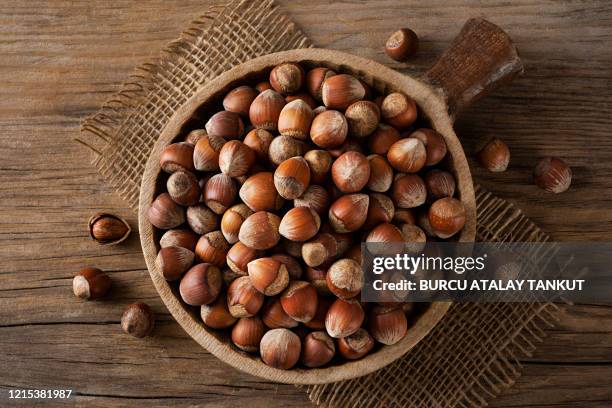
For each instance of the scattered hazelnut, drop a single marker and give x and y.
(402, 44)
(414, 237)
(356, 345)
(183, 188)
(243, 300)
(399, 110)
(439, 184)
(91, 284)
(283, 148)
(226, 124)
(239, 256)
(363, 118)
(292, 178)
(231, 221)
(287, 78)
(220, 193)
(266, 109)
(212, 248)
(329, 129)
(382, 139)
(108, 229)
(381, 174)
(247, 333)
(201, 219)
(316, 198)
(408, 191)
(239, 100)
(319, 162)
(173, 261)
(344, 318)
(275, 317)
(295, 119)
(385, 233)
(201, 284)
(381, 210)
(259, 194)
(314, 80)
(300, 224)
(494, 156)
(216, 315)
(236, 158)
(138, 320)
(407, 155)
(268, 275)
(388, 325)
(340, 91)
(447, 217)
(260, 230)
(318, 349)
(259, 141)
(206, 152)
(164, 213)
(181, 238)
(349, 212)
(345, 278)
(553, 175)
(319, 250)
(351, 172)
(299, 301)
(435, 145)
(280, 348)
(177, 156)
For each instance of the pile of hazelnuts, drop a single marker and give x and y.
(266, 208)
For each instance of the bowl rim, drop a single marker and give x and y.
(429, 100)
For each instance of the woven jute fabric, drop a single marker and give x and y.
(470, 356)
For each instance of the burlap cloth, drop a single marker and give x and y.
(470, 356)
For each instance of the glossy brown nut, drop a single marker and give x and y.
(439, 184)
(247, 334)
(201, 284)
(263, 86)
(300, 224)
(292, 177)
(91, 284)
(177, 237)
(266, 109)
(173, 261)
(275, 317)
(243, 300)
(345, 278)
(414, 237)
(408, 191)
(344, 318)
(268, 275)
(323, 305)
(183, 188)
(399, 110)
(236, 158)
(206, 152)
(494, 156)
(202, 219)
(402, 44)
(108, 229)
(314, 81)
(287, 78)
(553, 175)
(340, 91)
(329, 129)
(239, 256)
(231, 221)
(226, 124)
(259, 193)
(212, 248)
(388, 325)
(299, 301)
(356, 345)
(295, 119)
(407, 155)
(239, 100)
(385, 233)
(220, 193)
(177, 156)
(259, 141)
(381, 140)
(138, 320)
(380, 210)
(316, 198)
(283, 148)
(280, 348)
(351, 172)
(319, 250)
(319, 162)
(260, 230)
(363, 118)
(164, 213)
(446, 217)
(216, 315)
(316, 276)
(317, 349)
(435, 146)
(349, 212)
(381, 174)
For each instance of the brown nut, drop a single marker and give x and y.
(345, 278)
(408, 191)
(319, 250)
(300, 224)
(295, 119)
(201, 284)
(280, 348)
(91, 284)
(260, 230)
(206, 152)
(247, 334)
(177, 156)
(183, 188)
(399, 110)
(201, 219)
(314, 81)
(382, 139)
(299, 301)
(268, 275)
(402, 44)
(239, 100)
(319, 162)
(239, 256)
(317, 349)
(494, 156)
(439, 184)
(220, 193)
(287, 78)
(316, 277)
(266, 109)
(236, 158)
(329, 129)
(447, 217)
(553, 175)
(384, 233)
(318, 321)
(435, 146)
(363, 118)
(263, 86)
(380, 210)
(407, 155)
(138, 320)
(283, 148)
(351, 172)
(344, 318)
(195, 135)
(231, 221)
(292, 177)
(316, 198)
(293, 266)
(259, 141)
(381, 174)
(212, 248)
(356, 345)
(173, 261)
(182, 238)
(217, 315)
(414, 237)
(243, 300)
(226, 124)
(108, 229)
(340, 91)
(259, 194)
(388, 325)
(275, 317)
(349, 212)
(164, 213)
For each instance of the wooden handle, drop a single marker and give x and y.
(480, 59)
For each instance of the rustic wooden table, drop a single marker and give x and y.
(62, 59)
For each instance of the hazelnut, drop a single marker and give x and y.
(247, 333)
(275, 317)
(349, 212)
(217, 315)
(293, 266)
(108, 229)
(356, 345)
(414, 238)
(260, 230)
(344, 318)
(280, 348)
(380, 210)
(239, 256)
(318, 321)
(299, 301)
(447, 217)
(236, 158)
(494, 156)
(287, 78)
(402, 44)
(435, 146)
(388, 325)
(258, 192)
(351, 172)
(408, 191)
(138, 320)
(212, 248)
(206, 153)
(345, 278)
(173, 261)
(292, 177)
(329, 129)
(201, 284)
(404, 216)
(381, 174)
(316, 277)
(309, 100)
(182, 238)
(295, 119)
(553, 175)
(319, 162)
(385, 233)
(195, 135)
(164, 213)
(382, 139)
(266, 109)
(231, 221)
(268, 275)
(239, 100)
(226, 124)
(183, 188)
(343, 241)
(300, 224)
(317, 350)
(90, 284)
(177, 156)
(220, 193)
(243, 300)
(340, 91)
(363, 118)
(314, 80)
(316, 198)
(259, 141)
(283, 148)
(439, 184)
(201, 219)
(320, 249)
(263, 86)
(407, 155)
(399, 110)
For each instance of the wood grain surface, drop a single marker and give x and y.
(62, 59)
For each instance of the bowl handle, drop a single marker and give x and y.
(480, 59)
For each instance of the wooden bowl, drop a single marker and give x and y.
(437, 104)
